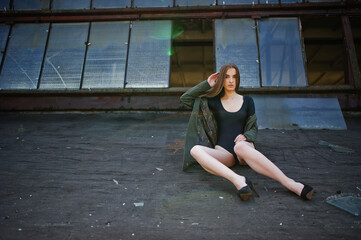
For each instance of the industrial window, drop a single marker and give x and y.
(325, 50)
(149, 54)
(236, 42)
(192, 52)
(111, 3)
(236, 2)
(281, 56)
(31, 4)
(195, 2)
(65, 56)
(106, 56)
(24, 56)
(153, 3)
(70, 4)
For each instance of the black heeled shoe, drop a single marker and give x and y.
(307, 192)
(246, 192)
(250, 184)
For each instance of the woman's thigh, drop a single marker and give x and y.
(221, 154)
(240, 159)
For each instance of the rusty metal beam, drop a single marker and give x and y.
(239, 11)
(348, 101)
(177, 91)
(354, 74)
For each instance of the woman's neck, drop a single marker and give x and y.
(229, 94)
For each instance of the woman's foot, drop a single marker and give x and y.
(307, 192)
(240, 182)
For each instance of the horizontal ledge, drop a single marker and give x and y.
(178, 91)
(228, 11)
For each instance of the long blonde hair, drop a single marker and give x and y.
(217, 89)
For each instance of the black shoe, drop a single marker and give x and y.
(307, 192)
(250, 184)
(244, 193)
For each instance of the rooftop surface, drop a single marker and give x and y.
(119, 175)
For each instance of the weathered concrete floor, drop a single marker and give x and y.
(77, 176)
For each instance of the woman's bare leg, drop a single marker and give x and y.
(217, 161)
(261, 164)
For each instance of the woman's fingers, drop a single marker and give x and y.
(240, 137)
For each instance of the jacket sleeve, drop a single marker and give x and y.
(251, 129)
(188, 97)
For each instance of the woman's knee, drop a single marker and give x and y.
(195, 150)
(240, 148)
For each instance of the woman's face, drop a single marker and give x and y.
(230, 80)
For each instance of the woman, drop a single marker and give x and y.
(217, 141)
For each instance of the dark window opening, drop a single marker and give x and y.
(192, 59)
(325, 50)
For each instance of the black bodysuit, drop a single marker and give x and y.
(230, 124)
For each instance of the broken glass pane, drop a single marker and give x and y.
(195, 2)
(153, 3)
(65, 56)
(236, 42)
(4, 32)
(277, 112)
(349, 204)
(282, 60)
(24, 56)
(111, 3)
(70, 4)
(31, 4)
(149, 54)
(106, 56)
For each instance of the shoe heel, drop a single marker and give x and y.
(245, 193)
(250, 184)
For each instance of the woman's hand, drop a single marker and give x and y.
(240, 138)
(213, 79)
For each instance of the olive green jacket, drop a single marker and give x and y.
(202, 126)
